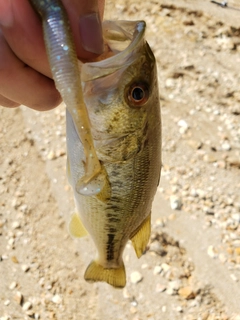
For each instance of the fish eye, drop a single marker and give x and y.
(138, 94)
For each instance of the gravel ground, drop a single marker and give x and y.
(191, 269)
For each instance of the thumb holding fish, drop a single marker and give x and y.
(25, 76)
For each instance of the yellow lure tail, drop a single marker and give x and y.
(114, 277)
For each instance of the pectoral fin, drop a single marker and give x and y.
(105, 194)
(76, 228)
(141, 236)
(114, 277)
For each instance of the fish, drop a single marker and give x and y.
(120, 95)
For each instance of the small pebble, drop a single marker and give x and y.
(136, 277)
(133, 310)
(171, 291)
(172, 217)
(18, 297)
(30, 313)
(11, 242)
(164, 309)
(160, 287)
(156, 247)
(134, 303)
(15, 225)
(126, 294)
(195, 144)
(210, 158)
(173, 287)
(236, 217)
(14, 259)
(51, 155)
(222, 258)
(157, 270)
(179, 309)
(13, 285)
(56, 299)
(166, 267)
(233, 277)
(26, 306)
(226, 146)
(7, 302)
(169, 83)
(182, 123)
(60, 153)
(186, 293)
(233, 162)
(211, 252)
(160, 223)
(175, 202)
(237, 251)
(25, 268)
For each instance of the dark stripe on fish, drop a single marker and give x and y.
(112, 207)
(110, 246)
(112, 229)
(112, 218)
(116, 199)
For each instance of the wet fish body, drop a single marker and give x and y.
(121, 95)
(113, 137)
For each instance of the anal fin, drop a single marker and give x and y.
(76, 227)
(141, 236)
(114, 277)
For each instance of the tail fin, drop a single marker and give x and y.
(115, 277)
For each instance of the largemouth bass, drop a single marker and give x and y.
(121, 98)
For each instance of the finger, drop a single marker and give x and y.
(23, 31)
(4, 102)
(23, 85)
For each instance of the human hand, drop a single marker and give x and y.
(25, 75)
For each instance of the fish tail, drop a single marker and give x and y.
(116, 277)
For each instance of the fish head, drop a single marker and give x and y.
(121, 91)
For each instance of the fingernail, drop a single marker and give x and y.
(91, 33)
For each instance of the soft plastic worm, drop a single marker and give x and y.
(64, 66)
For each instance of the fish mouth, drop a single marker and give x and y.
(123, 39)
